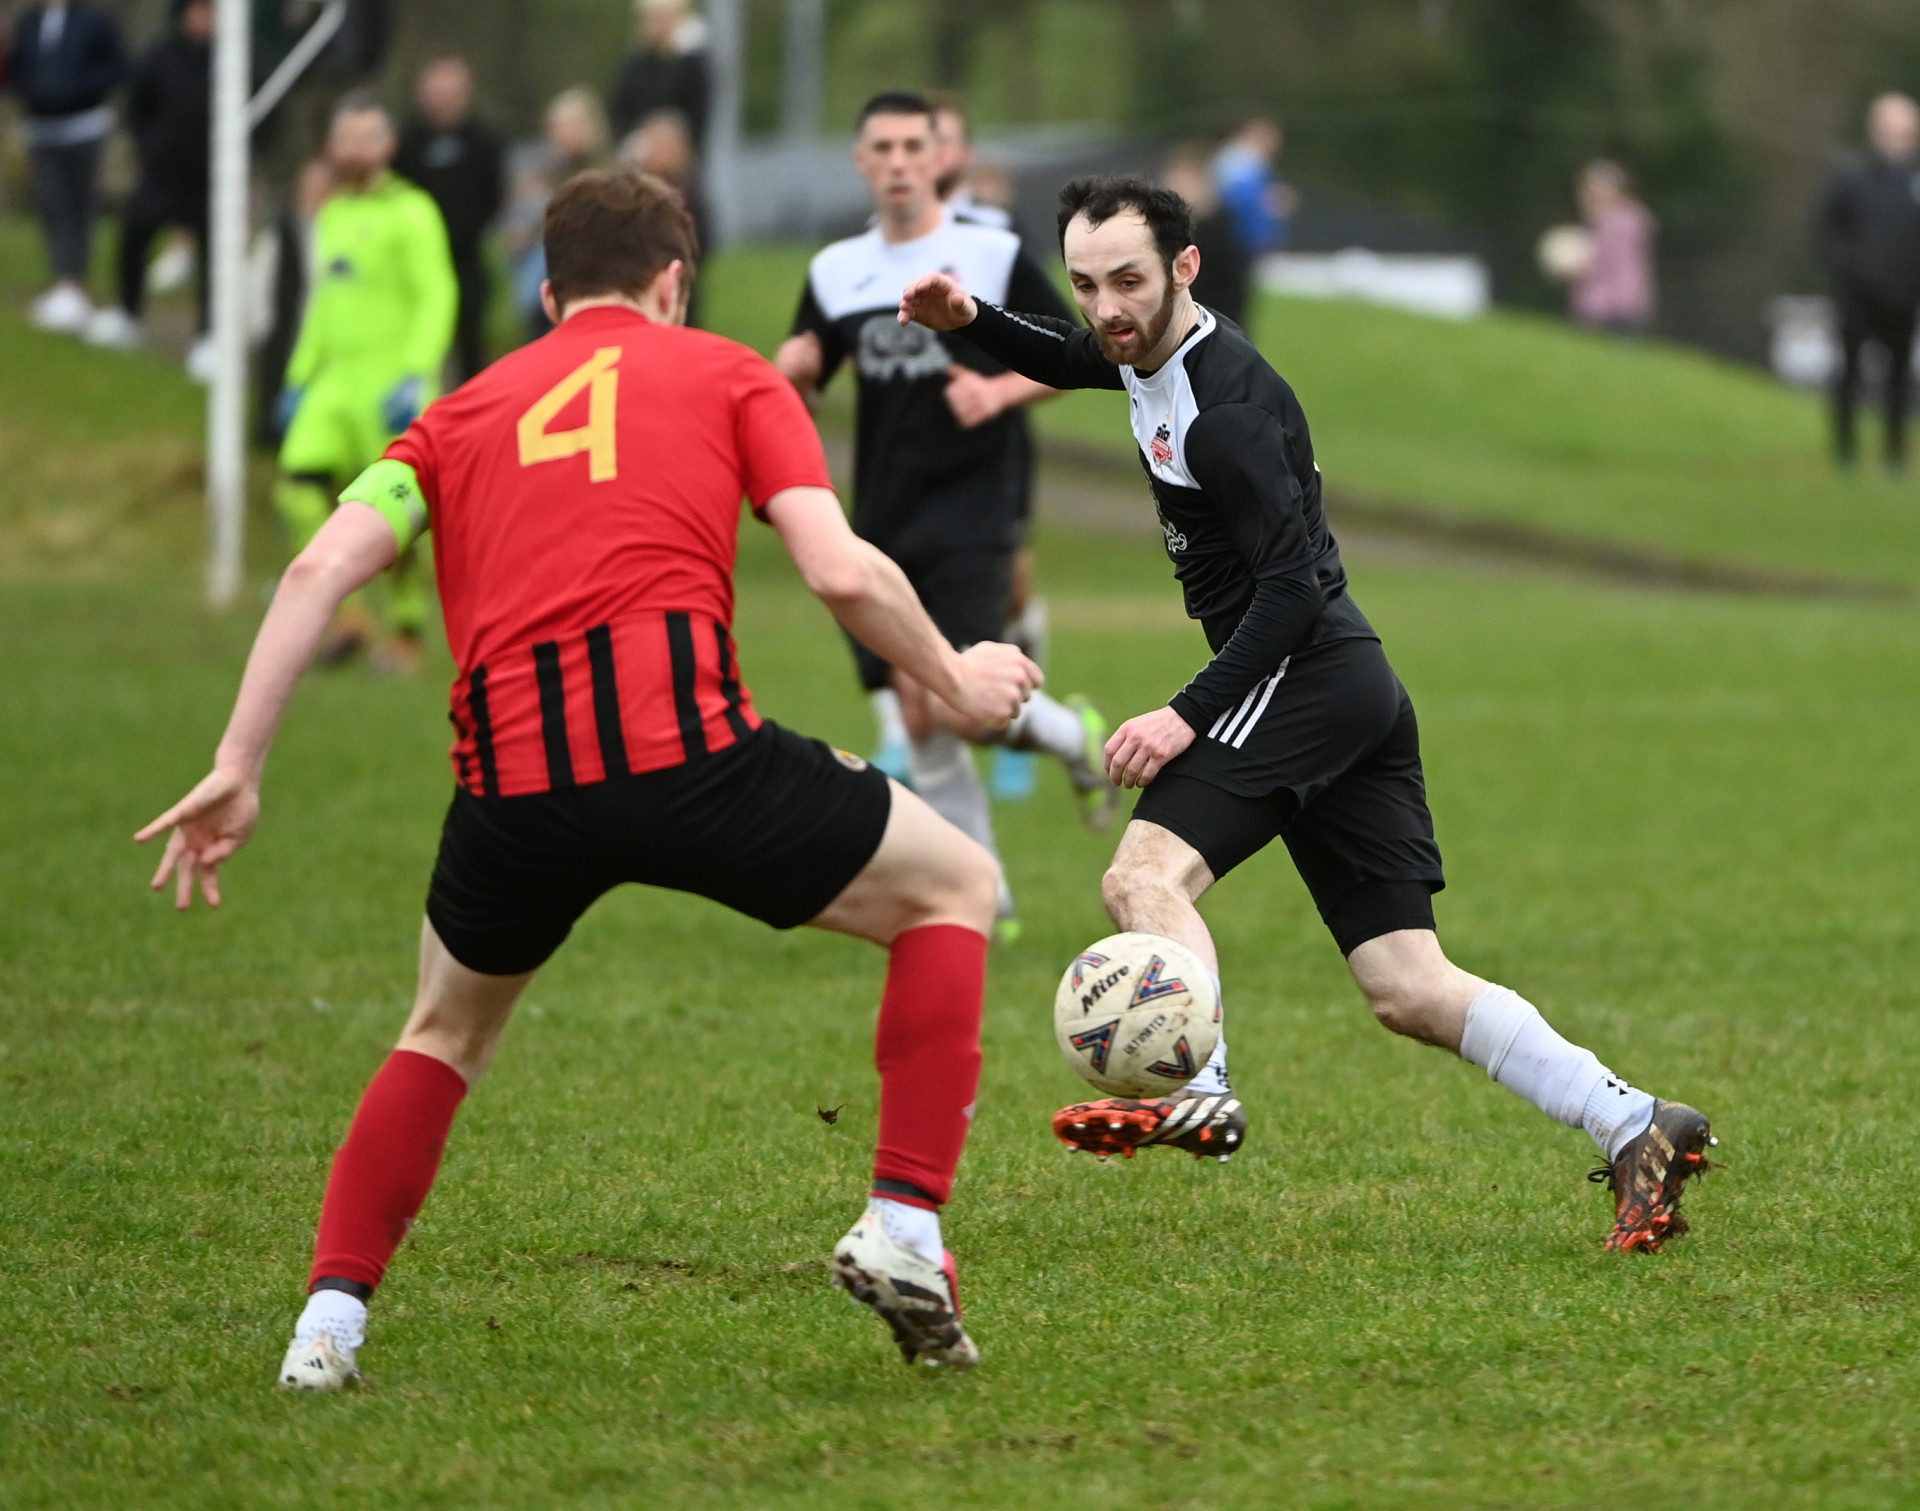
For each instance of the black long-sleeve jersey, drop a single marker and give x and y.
(1225, 447)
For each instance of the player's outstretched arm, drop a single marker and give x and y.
(1052, 352)
(872, 598)
(211, 822)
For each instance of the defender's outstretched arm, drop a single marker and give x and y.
(873, 600)
(1052, 352)
(355, 546)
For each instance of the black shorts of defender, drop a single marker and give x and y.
(966, 593)
(1326, 755)
(774, 826)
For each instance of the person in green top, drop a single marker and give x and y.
(378, 322)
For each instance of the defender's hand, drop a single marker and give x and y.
(209, 824)
(973, 397)
(1139, 748)
(938, 302)
(995, 680)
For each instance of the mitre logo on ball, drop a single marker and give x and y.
(1137, 1015)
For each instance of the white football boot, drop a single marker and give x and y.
(322, 1362)
(918, 1299)
(112, 328)
(63, 308)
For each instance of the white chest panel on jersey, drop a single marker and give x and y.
(868, 272)
(1162, 408)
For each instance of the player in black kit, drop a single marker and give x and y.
(941, 453)
(1298, 727)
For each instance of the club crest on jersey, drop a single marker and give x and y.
(1096, 1044)
(1155, 983)
(1162, 448)
(1180, 1067)
(1087, 962)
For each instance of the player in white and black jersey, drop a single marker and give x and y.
(1298, 727)
(940, 450)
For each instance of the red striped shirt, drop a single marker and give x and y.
(584, 497)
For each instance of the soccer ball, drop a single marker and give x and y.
(1137, 1015)
(1565, 252)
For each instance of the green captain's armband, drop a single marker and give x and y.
(394, 489)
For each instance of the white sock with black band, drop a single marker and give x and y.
(1506, 1036)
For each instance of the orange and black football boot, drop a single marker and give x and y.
(1202, 1123)
(1647, 1176)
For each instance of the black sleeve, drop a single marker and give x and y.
(1238, 455)
(1032, 292)
(1053, 352)
(810, 317)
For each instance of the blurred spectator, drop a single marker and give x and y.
(1225, 268)
(284, 273)
(957, 180)
(575, 140)
(666, 70)
(66, 59)
(168, 111)
(1250, 186)
(1868, 226)
(1613, 289)
(663, 146)
(458, 159)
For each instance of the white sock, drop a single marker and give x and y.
(1048, 725)
(1506, 1036)
(1212, 1080)
(913, 1228)
(944, 774)
(333, 1312)
(886, 713)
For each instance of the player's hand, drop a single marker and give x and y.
(995, 679)
(801, 360)
(938, 302)
(208, 824)
(973, 397)
(1139, 748)
(402, 406)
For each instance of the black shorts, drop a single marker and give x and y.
(966, 592)
(1326, 755)
(774, 827)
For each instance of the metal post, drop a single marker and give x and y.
(802, 86)
(227, 400)
(726, 49)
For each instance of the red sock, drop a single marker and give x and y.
(928, 1051)
(384, 1170)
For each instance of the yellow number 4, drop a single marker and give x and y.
(538, 444)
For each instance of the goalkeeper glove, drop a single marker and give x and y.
(401, 407)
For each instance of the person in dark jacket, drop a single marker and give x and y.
(168, 111)
(1226, 271)
(67, 59)
(1869, 235)
(666, 70)
(460, 160)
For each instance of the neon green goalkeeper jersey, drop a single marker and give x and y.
(384, 294)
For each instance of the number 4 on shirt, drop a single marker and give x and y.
(601, 377)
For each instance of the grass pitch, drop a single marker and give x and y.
(1685, 826)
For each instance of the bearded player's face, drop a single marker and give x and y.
(1121, 285)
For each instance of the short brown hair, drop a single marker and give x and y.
(612, 231)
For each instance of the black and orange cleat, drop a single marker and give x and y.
(1647, 1177)
(1202, 1123)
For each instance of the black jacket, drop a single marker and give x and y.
(168, 110)
(88, 64)
(462, 169)
(650, 81)
(1868, 227)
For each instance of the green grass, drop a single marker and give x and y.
(1520, 419)
(1682, 824)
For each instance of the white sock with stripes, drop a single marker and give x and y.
(1212, 1080)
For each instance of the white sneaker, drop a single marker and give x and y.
(62, 308)
(918, 1299)
(323, 1362)
(113, 328)
(200, 361)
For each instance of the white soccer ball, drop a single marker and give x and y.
(1137, 1015)
(1564, 252)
